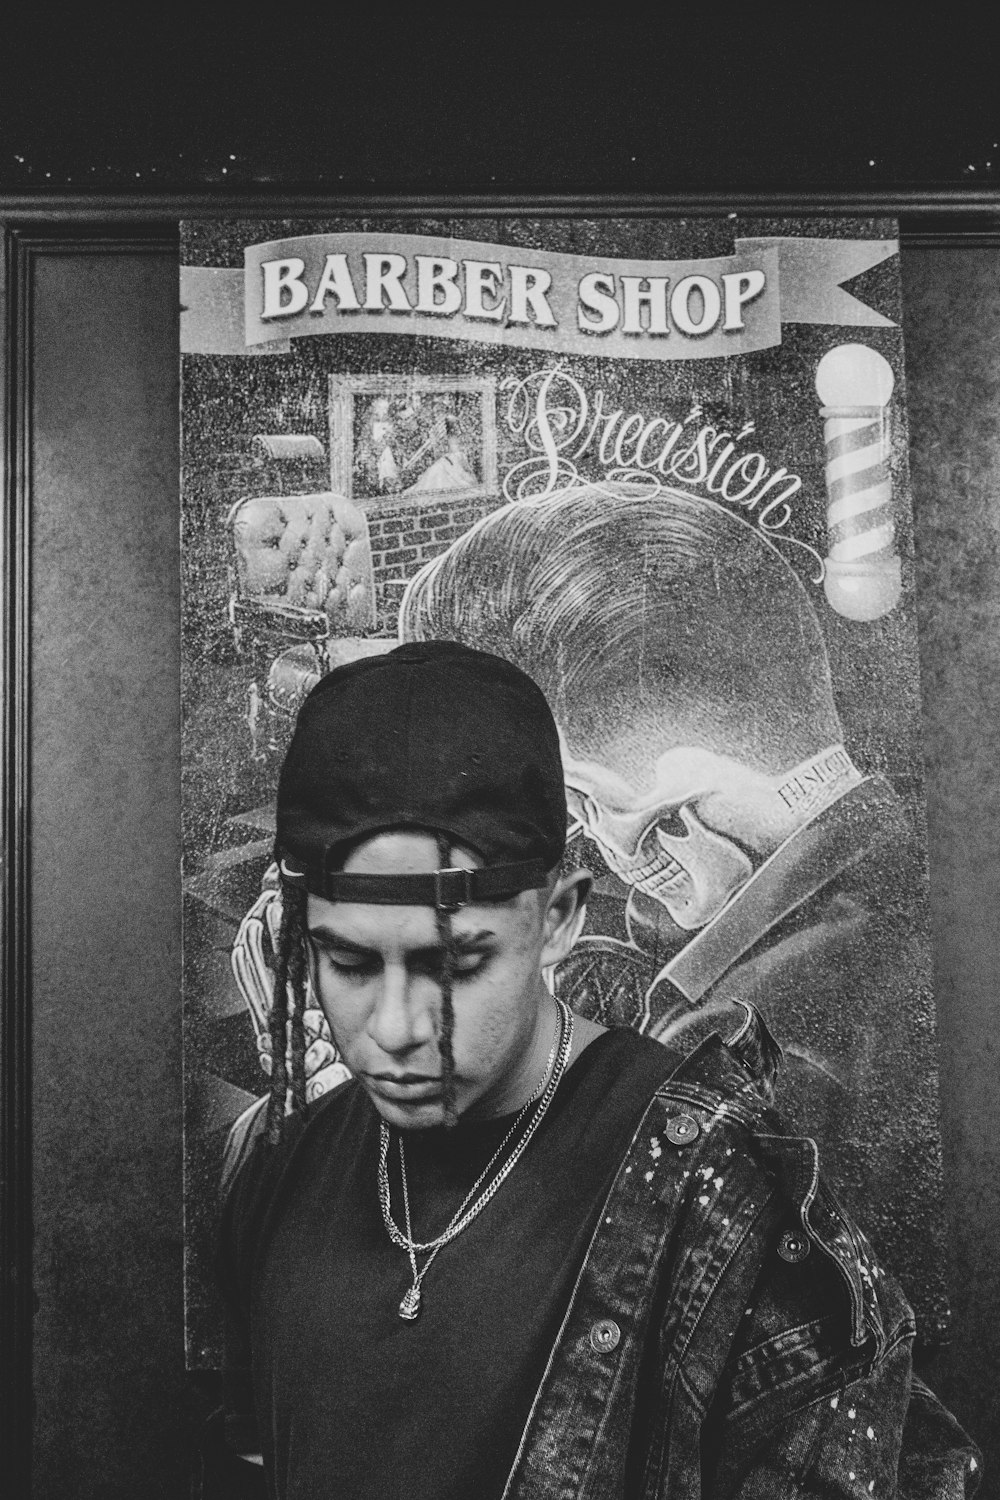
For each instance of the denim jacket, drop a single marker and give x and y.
(730, 1334)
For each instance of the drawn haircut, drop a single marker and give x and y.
(661, 616)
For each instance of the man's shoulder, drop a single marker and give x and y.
(260, 1171)
(738, 1058)
(621, 1072)
(245, 1132)
(249, 1153)
(716, 1106)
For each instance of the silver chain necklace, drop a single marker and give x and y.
(471, 1205)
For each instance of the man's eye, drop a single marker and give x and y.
(463, 966)
(349, 963)
(467, 964)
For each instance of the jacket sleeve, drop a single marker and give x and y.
(938, 1458)
(819, 1400)
(881, 1435)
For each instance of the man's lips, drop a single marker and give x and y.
(404, 1086)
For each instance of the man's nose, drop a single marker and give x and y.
(403, 1016)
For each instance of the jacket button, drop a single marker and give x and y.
(605, 1335)
(682, 1130)
(793, 1246)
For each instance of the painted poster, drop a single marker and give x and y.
(662, 466)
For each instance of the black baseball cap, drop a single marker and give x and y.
(435, 737)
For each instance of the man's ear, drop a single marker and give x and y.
(565, 914)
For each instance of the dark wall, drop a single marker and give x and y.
(952, 328)
(116, 1415)
(112, 1404)
(644, 99)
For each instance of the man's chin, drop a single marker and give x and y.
(417, 1113)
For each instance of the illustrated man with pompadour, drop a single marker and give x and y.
(704, 756)
(517, 1253)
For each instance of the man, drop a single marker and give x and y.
(705, 758)
(520, 1254)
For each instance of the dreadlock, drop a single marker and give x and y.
(289, 980)
(446, 939)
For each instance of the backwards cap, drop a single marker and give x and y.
(434, 737)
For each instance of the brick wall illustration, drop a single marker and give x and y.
(406, 535)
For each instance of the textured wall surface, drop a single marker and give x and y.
(952, 326)
(116, 1414)
(113, 1406)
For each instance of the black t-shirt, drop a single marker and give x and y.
(351, 1400)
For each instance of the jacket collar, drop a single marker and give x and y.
(816, 854)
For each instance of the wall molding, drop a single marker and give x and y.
(979, 207)
(20, 247)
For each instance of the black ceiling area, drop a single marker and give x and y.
(671, 100)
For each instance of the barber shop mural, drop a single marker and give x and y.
(662, 467)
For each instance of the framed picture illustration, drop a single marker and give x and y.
(407, 436)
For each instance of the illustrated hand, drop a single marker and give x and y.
(324, 1070)
(252, 958)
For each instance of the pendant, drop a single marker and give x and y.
(410, 1305)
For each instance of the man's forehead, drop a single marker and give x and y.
(399, 928)
(406, 851)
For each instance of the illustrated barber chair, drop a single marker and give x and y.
(303, 597)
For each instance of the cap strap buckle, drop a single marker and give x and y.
(447, 889)
(452, 889)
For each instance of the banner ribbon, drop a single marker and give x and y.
(523, 297)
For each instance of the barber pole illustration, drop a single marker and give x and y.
(862, 579)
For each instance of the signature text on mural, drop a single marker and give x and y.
(561, 424)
